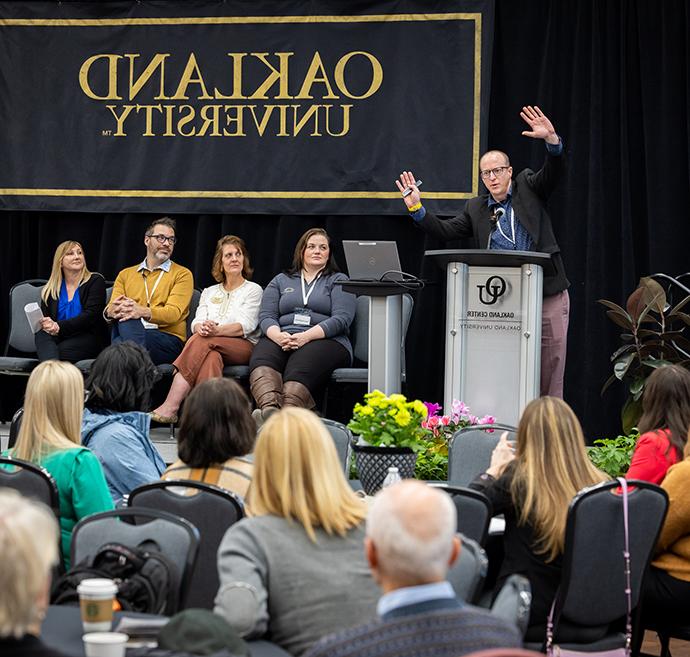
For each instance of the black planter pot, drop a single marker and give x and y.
(373, 463)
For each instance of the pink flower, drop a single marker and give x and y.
(487, 419)
(460, 408)
(445, 420)
(432, 408)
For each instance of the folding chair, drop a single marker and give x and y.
(175, 537)
(210, 509)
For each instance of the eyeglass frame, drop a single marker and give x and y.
(162, 239)
(497, 171)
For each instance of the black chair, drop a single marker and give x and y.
(175, 537)
(514, 601)
(591, 600)
(468, 573)
(33, 481)
(20, 339)
(469, 451)
(210, 509)
(342, 438)
(30, 480)
(15, 425)
(473, 509)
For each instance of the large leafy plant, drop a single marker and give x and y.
(652, 337)
(613, 455)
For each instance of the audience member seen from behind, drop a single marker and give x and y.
(29, 548)
(305, 318)
(296, 569)
(410, 545)
(50, 436)
(215, 437)
(150, 301)
(225, 328)
(664, 424)
(666, 597)
(533, 487)
(116, 422)
(72, 303)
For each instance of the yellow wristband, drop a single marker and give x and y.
(415, 207)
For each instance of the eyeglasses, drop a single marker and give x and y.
(162, 239)
(498, 172)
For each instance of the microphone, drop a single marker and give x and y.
(496, 216)
(493, 220)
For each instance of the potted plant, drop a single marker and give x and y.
(390, 433)
(652, 337)
(432, 460)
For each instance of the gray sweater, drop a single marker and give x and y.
(331, 307)
(275, 581)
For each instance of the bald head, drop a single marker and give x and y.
(412, 529)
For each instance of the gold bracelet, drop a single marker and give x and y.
(415, 207)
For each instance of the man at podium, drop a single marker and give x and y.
(512, 216)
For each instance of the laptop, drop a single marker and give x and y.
(369, 261)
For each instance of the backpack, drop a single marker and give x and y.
(143, 574)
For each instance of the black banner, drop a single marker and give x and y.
(205, 107)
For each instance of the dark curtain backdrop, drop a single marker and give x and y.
(613, 75)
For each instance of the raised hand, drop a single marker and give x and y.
(408, 180)
(541, 127)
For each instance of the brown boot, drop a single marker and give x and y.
(266, 385)
(297, 394)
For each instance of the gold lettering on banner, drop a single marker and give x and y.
(168, 81)
(112, 77)
(376, 78)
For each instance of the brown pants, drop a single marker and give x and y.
(203, 358)
(554, 343)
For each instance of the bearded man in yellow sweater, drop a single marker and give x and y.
(150, 301)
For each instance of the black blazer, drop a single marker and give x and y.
(90, 320)
(530, 192)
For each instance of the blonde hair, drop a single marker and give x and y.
(52, 287)
(29, 547)
(551, 466)
(298, 476)
(53, 407)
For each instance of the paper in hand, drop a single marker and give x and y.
(34, 316)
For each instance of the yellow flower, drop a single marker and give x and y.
(403, 418)
(419, 407)
(397, 398)
(366, 410)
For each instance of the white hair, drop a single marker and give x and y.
(412, 526)
(29, 549)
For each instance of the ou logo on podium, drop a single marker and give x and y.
(494, 288)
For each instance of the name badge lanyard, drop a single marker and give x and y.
(149, 295)
(305, 294)
(512, 227)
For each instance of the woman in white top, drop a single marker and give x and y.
(224, 327)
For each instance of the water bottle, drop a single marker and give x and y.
(393, 477)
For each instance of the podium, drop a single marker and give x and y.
(385, 330)
(493, 329)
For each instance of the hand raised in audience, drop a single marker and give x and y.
(503, 454)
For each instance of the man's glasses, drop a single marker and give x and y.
(498, 172)
(162, 239)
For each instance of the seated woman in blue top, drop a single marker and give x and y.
(116, 422)
(49, 436)
(305, 319)
(72, 302)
